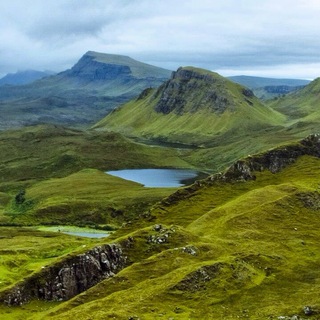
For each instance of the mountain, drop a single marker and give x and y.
(24, 77)
(268, 88)
(194, 107)
(95, 85)
(241, 244)
(302, 105)
(301, 108)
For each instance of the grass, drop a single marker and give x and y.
(225, 250)
(38, 153)
(88, 197)
(231, 250)
(192, 126)
(25, 250)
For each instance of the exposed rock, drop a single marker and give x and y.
(162, 235)
(186, 85)
(243, 170)
(69, 277)
(88, 69)
(310, 200)
(309, 311)
(190, 250)
(274, 160)
(248, 93)
(196, 280)
(157, 227)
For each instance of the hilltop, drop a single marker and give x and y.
(95, 85)
(194, 107)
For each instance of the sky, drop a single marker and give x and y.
(272, 38)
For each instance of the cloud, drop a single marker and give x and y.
(213, 34)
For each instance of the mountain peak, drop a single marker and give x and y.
(104, 66)
(192, 89)
(192, 107)
(186, 73)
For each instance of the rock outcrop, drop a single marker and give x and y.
(274, 160)
(201, 88)
(69, 277)
(88, 69)
(244, 170)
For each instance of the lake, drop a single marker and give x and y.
(160, 178)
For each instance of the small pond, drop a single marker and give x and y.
(77, 231)
(160, 178)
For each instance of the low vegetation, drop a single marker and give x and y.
(241, 244)
(228, 248)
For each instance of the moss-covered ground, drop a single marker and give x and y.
(228, 250)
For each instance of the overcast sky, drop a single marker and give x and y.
(276, 38)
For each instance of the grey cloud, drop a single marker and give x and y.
(213, 34)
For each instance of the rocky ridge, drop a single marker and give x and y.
(186, 84)
(244, 170)
(69, 277)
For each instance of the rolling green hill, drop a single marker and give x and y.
(241, 244)
(95, 85)
(194, 107)
(302, 105)
(52, 165)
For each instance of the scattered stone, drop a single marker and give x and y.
(157, 227)
(307, 310)
(190, 250)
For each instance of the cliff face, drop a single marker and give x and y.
(88, 69)
(273, 160)
(190, 85)
(69, 277)
(95, 85)
(244, 170)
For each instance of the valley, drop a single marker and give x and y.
(242, 242)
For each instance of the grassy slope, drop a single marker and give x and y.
(232, 250)
(302, 105)
(139, 118)
(88, 197)
(39, 153)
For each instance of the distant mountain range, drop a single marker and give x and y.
(94, 86)
(24, 77)
(268, 88)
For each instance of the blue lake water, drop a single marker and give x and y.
(159, 178)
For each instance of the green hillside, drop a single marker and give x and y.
(240, 244)
(52, 165)
(302, 105)
(194, 107)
